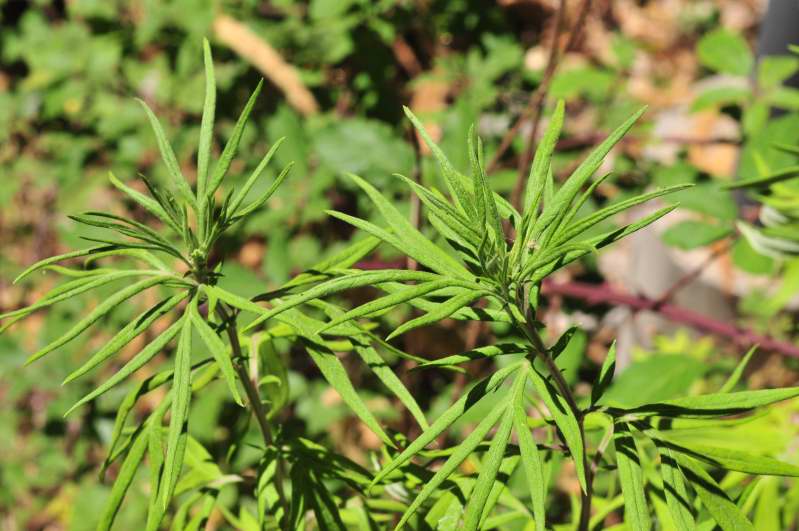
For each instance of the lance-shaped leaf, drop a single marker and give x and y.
(217, 348)
(488, 471)
(565, 420)
(168, 156)
(761, 182)
(677, 498)
(149, 204)
(735, 377)
(102, 309)
(531, 459)
(541, 162)
(207, 123)
(384, 373)
(349, 280)
(719, 403)
(564, 197)
(631, 477)
(250, 182)
(341, 260)
(443, 311)
(178, 422)
(71, 289)
(124, 478)
(478, 353)
(598, 242)
(392, 300)
(232, 145)
(487, 213)
(463, 450)
(728, 458)
(138, 361)
(605, 375)
(718, 504)
(449, 215)
(453, 413)
(131, 330)
(451, 177)
(413, 242)
(581, 225)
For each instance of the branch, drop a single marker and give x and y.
(594, 294)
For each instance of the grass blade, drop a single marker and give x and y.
(735, 377)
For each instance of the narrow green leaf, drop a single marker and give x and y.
(340, 260)
(760, 182)
(490, 467)
(451, 178)
(335, 373)
(478, 391)
(464, 449)
(151, 205)
(677, 498)
(730, 459)
(390, 301)
(336, 285)
(735, 377)
(717, 503)
(565, 420)
(541, 163)
(178, 423)
(258, 203)
(126, 335)
(123, 481)
(384, 373)
(600, 215)
(719, 403)
(61, 257)
(531, 458)
(564, 197)
(168, 156)
(207, 124)
(138, 361)
(250, 182)
(218, 350)
(443, 311)
(413, 243)
(631, 477)
(478, 353)
(605, 375)
(99, 311)
(232, 146)
(448, 214)
(598, 242)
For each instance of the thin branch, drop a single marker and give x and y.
(594, 294)
(254, 397)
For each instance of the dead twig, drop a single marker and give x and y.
(255, 50)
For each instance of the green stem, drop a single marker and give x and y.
(254, 398)
(542, 353)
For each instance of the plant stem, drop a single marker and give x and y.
(254, 398)
(542, 353)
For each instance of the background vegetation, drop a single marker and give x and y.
(338, 73)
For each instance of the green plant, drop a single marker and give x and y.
(487, 264)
